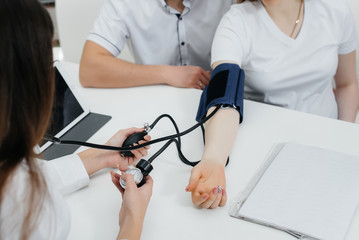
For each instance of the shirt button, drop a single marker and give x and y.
(184, 64)
(182, 43)
(180, 18)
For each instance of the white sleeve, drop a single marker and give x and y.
(110, 30)
(67, 173)
(230, 40)
(348, 41)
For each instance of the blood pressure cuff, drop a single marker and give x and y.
(226, 87)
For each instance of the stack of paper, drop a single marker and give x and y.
(305, 191)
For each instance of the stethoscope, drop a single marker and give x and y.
(144, 167)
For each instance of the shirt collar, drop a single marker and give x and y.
(187, 4)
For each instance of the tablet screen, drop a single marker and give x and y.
(66, 111)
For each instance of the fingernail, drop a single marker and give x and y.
(205, 197)
(224, 192)
(215, 191)
(187, 189)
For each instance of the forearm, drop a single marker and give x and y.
(94, 160)
(221, 131)
(99, 68)
(130, 229)
(347, 100)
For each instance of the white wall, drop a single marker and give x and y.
(75, 19)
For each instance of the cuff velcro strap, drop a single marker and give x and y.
(226, 87)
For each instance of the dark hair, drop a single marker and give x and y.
(26, 92)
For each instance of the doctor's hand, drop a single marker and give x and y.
(96, 159)
(187, 76)
(206, 177)
(134, 205)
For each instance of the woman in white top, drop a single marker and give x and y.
(31, 190)
(169, 39)
(290, 51)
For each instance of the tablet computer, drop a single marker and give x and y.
(68, 107)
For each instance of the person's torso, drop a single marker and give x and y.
(158, 34)
(293, 73)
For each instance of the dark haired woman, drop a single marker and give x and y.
(31, 202)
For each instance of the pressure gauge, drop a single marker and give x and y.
(137, 176)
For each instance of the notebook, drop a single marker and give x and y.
(306, 191)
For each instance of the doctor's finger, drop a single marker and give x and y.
(115, 177)
(142, 151)
(130, 182)
(148, 185)
(137, 153)
(147, 138)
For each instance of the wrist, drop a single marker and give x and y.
(131, 228)
(92, 160)
(219, 160)
(164, 74)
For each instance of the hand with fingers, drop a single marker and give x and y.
(188, 77)
(96, 159)
(120, 162)
(134, 205)
(207, 185)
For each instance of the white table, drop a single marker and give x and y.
(171, 214)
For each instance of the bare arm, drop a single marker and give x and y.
(346, 92)
(99, 68)
(221, 131)
(206, 176)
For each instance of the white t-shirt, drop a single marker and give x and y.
(63, 176)
(158, 34)
(292, 73)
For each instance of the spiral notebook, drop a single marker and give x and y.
(306, 191)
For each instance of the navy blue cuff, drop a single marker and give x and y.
(226, 87)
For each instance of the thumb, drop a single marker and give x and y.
(193, 181)
(130, 182)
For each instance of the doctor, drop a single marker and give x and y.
(31, 191)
